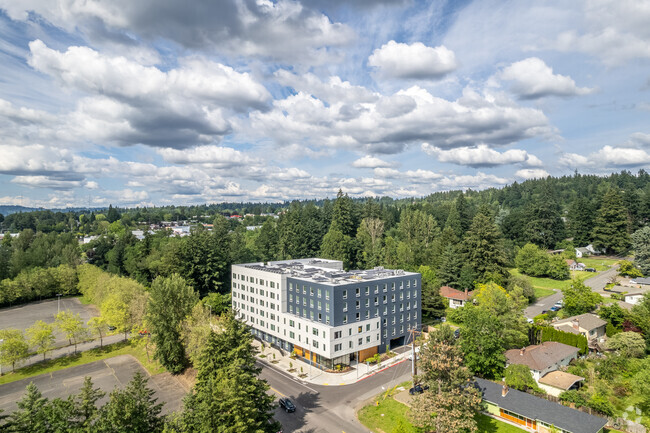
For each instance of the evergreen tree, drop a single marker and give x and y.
(641, 246)
(464, 213)
(85, 410)
(450, 267)
(30, 416)
(342, 215)
(170, 301)
(266, 242)
(370, 236)
(433, 305)
(611, 227)
(336, 246)
(544, 226)
(132, 409)
(483, 247)
(112, 215)
(228, 396)
(454, 223)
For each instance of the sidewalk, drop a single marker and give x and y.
(317, 376)
(67, 350)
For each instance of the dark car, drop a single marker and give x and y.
(287, 405)
(418, 389)
(456, 333)
(590, 270)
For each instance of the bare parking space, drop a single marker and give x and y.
(105, 374)
(24, 316)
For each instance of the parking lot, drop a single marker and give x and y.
(105, 374)
(24, 316)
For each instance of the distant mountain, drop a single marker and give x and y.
(9, 209)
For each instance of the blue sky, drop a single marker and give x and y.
(161, 102)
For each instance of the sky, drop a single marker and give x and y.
(158, 102)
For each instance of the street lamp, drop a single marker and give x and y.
(1, 341)
(58, 303)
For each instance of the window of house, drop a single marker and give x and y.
(311, 291)
(367, 290)
(360, 341)
(320, 307)
(311, 303)
(327, 295)
(320, 317)
(358, 317)
(367, 314)
(392, 285)
(358, 292)
(337, 334)
(358, 304)
(345, 306)
(367, 303)
(327, 308)
(314, 331)
(368, 339)
(337, 347)
(345, 318)
(319, 292)
(345, 294)
(292, 334)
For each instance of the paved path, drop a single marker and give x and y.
(62, 351)
(105, 374)
(600, 280)
(542, 304)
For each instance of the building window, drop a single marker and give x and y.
(377, 288)
(320, 307)
(367, 303)
(358, 317)
(385, 299)
(385, 287)
(392, 285)
(327, 308)
(304, 312)
(358, 304)
(291, 334)
(408, 284)
(311, 315)
(358, 292)
(291, 309)
(360, 341)
(345, 294)
(367, 290)
(367, 314)
(320, 317)
(327, 319)
(304, 290)
(345, 306)
(290, 297)
(311, 303)
(385, 333)
(311, 291)
(415, 283)
(350, 343)
(337, 334)
(337, 347)
(368, 339)
(376, 300)
(314, 331)
(385, 310)
(327, 295)
(401, 285)
(401, 307)
(319, 292)
(345, 318)
(315, 344)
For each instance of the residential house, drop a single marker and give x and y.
(575, 266)
(457, 298)
(589, 325)
(582, 252)
(534, 413)
(633, 298)
(542, 358)
(644, 281)
(556, 382)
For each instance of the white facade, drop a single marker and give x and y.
(262, 297)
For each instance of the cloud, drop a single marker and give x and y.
(481, 156)
(607, 156)
(531, 173)
(285, 30)
(414, 61)
(370, 162)
(478, 181)
(131, 103)
(369, 127)
(641, 138)
(531, 79)
(415, 176)
(208, 156)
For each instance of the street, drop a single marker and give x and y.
(321, 409)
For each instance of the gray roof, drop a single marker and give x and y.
(540, 409)
(642, 280)
(586, 321)
(542, 356)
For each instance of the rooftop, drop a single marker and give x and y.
(586, 321)
(542, 356)
(538, 408)
(451, 293)
(560, 379)
(325, 271)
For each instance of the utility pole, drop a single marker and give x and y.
(58, 303)
(414, 367)
(1, 341)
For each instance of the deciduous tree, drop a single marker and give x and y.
(579, 299)
(72, 326)
(14, 348)
(41, 336)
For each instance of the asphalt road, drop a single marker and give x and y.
(600, 280)
(106, 374)
(329, 409)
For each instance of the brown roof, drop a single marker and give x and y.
(560, 379)
(542, 356)
(448, 292)
(570, 262)
(586, 321)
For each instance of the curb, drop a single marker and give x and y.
(379, 371)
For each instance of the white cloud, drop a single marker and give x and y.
(641, 138)
(487, 118)
(414, 61)
(370, 162)
(481, 156)
(531, 173)
(531, 78)
(478, 181)
(607, 157)
(210, 156)
(415, 176)
(131, 103)
(284, 30)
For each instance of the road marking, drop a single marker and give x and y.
(277, 392)
(281, 373)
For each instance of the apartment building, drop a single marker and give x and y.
(323, 313)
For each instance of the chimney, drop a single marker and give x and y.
(466, 291)
(575, 324)
(522, 351)
(504, 390)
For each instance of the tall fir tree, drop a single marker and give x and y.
(343, 215)
(611, 226)
(581, 221)
(450, 267)
(31, 415)
(544, 226)
(483, 247)
(464, 212)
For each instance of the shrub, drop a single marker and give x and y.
(574, 397)
(600, 403)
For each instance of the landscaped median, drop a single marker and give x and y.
(130, 347)
(387, 415)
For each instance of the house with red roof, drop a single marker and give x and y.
(457, 298)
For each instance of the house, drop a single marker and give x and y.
(633, 298)
(644, 281)
(537, 414)
(456, 298)
(582, 252)
(556, 382)
(575, 266)
(542, 358)
(589, 325)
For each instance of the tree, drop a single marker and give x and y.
(112, 215)
(483, 247)
(544, 226)
(627, 269)
(641, 246)
(450, 268)
(507, 308)
(171, 300)
(481, 343)
(41, 336)
(524, 284)
(532, 260)
(581, 220)
(195, 330)
(610, 229)
(85, 411)
(579, 299)
(131, 410)
(449, 405)
(72, 326)
(228, 396)
(266, 242)
(518, 376)
(14, 348)
(627, 344)
(342, 215)
(116, 312)
(98, 326)
(30, 416)
(217, 302)
(370, 235)
(433, 305)
(336, 246)
(558, 268)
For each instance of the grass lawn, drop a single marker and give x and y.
(391, 414)
(122, 348)
(598, 263)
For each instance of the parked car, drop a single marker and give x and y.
(590, 270)
(287, 405)
(418, 389)
(555, 308)
(457, 333)
(111, 328)
(530, 320)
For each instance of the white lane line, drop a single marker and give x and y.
(281, 373)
